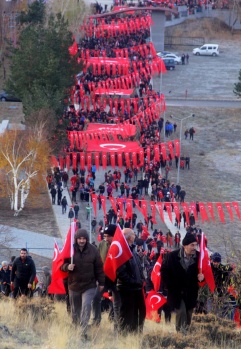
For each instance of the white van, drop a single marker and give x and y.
(206, 50)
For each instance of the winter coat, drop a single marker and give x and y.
(179, 282)
(23, 271)
(88, 269)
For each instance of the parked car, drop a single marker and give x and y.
(162, 53)
(177, 59)
(5, 97)
(169, 63)
(206, 50)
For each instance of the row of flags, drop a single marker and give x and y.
(118, 254)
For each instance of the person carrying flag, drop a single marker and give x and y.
(85, 270)
(180, 275)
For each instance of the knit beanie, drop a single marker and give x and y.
(81, 233)
(188, 239)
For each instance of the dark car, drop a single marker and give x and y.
(5, 97)
(169, 63)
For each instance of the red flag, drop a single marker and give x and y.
(153, 211)
(120, 204)
(163, 151)
(177, 147)
(103, 202)
(89, 158)
(229, 209)
(54, 161)
(97, 160)
(94, 202)
(112, 160)
(220, 212)
(141, 154)
(205, 266)
(154, 301)
(176, 210)
(104, 160)
(74, 160)
(203, 212)
(236, 207)
(67, 158)
(156, 274)
(148, 154)
(156, 152)
(82, 161)
(134, 158)
(211, 210)
(118, 254)
(186, 211)
(113, 204)
(128, 208)
(61, 162)
(169, 210)
(119, 156)
(57, 286)
(67, 251)
(144, 208)
(127, 158)
(160, 208)
(170, 147)
(193, 209)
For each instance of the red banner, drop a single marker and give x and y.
(119, 157)
(103, 203)
(153, 211)
(97, 160)
(104, 160)
(82, 161)
(89, 158)
(112, 160)
(148, 154)
(176, 210)
(141, 153)
(203, 212)
(67, 158)
(169, 209)
(127, 158)
(186, 211)
(113, 204)
(163, 151)
(211, 210)
(94, 202)
(156, 152)
(177, 147)
(220, 211)
(144, 208)
(134, 159)
(129, 208)
(161, 212)
(170, 147)
(236, 207)
(120, 203)
(229, 209)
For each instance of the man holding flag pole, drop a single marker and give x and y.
(181, 276)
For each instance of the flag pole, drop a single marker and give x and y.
(201, 250)
(72, 232)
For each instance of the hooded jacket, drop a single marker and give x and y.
(88, 269)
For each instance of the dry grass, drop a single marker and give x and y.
(41, 324)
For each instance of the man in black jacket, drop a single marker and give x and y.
(130, 281)
(180, 276)
(23, 274)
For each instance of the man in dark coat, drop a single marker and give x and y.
(180, 276)
(130, 281)
(23, 274)
(85, 270)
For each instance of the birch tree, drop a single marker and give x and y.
(24, 158)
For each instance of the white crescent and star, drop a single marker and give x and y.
(119, 249)
(113, 146)
(55, 253)
(158, 299)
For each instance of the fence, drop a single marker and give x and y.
(183, 41)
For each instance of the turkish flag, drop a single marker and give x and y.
(74, 160)
(103, 202)
(104, 160)
(119, 158)
(97, 160)
(94, 202)
(57, 286)
(89, 160)
(82, 161)
(134, 158)
(144, 208)
(161, 212)
(229, 209)
(128, 208)
(67, 158)
(153, 211)
(170, 147)
(220, 211)
(73, 49)
(127, 158)
(67, 251)
(156, 152)
(177, 147)
(148, 154)
(176, 210)
(163, 151)
(120, 203)
(211, 210)
(203, 212)
(112, 160)
(113, 204)
(61, 162)
(236, 207)
(154, 301)
(169, 210)
(205, 266)
(156, 274)
(193, 209)
(118, 254)
(141, 154)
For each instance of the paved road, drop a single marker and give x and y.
(229, 104)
